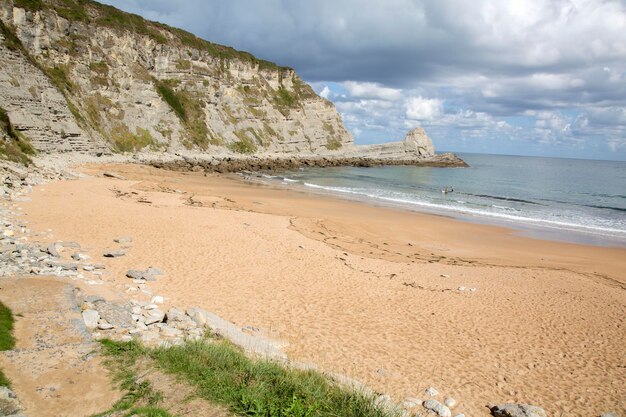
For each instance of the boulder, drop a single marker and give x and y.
(517, 410)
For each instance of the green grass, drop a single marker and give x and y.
(16, 146)
(333, 144)
(31, 5)
(126, 141)
(165, 90)
(7, 342)
(139, 398)
(189, 110)
(10, 40)
(222, 374)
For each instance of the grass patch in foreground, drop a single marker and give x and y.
(7, 342)
(223, 374)
(139, 398)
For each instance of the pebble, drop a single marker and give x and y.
(411, 402)
(438, 408)
(124, 240)
(450, 402)
(432, 391)
(157, 299)
(114, 254)
(103, 325)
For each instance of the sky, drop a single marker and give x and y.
(522, 77)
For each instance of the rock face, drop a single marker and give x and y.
(79, 76)
(418, 142)
(83, 76)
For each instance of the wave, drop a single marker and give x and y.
(611, 231)
(620, 209)
(516, 200)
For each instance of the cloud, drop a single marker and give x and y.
(372, 91)
(509, 62)
(419, 108)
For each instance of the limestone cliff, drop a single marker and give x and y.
(77, 75)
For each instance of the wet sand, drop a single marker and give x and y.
(367, 291)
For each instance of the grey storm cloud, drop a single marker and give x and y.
(482, 57)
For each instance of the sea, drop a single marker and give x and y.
(573, 200)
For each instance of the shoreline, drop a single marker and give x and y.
(524, 227)
(312, 270)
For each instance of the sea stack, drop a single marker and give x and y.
(418, 142)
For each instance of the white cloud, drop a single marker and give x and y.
(325, 92)
(372, 91)
(419, 108)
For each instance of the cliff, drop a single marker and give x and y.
(79, 76)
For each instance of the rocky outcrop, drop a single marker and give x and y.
(79, 76)
(278, 163)
(416, 145)
(134, 84)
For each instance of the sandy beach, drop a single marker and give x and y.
(399, 300)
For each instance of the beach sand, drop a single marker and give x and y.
(358, 289)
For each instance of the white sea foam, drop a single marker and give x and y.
(582, 224)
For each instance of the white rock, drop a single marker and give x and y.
(459, 415)
(411, 402)
(154, 316)
(150, 306)
(157, 299)
(170, 332)
(436, 407)
(91, 317)
(432, 391)
(450, 402)
(103, 325)
(136, 310)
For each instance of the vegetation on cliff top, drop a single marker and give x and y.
(222, 374)
(92, 12)
(13, 145)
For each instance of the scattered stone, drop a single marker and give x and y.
(94, 299)
(53, 250)
(79, 256)
(124, 240)
(115, 175)
(459, 415)
(171, 332)
(88, 268)
(150, 306)
(432, 391)
(154, 316)
(104, 325)
(411, 402)
(517, 410)
(147, 275)
(609, 415)
(445, 276)
(91, 317)
(450, 402)
(114, 254)
(438, 408)
(157, 299)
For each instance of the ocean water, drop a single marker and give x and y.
(564, 199)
